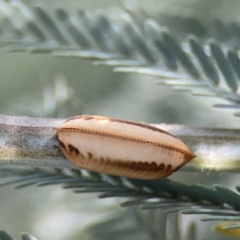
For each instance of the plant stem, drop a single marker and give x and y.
(26, 141)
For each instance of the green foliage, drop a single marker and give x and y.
(24, 236)
(164, 194)
(200, 59)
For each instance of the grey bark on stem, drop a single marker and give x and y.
(32, 142)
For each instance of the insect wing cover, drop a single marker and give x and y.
(121, 148)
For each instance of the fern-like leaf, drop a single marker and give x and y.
(134, 41)
(24, 236)
(217, 202)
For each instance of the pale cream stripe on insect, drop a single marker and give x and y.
(121, 148)
(90, 131)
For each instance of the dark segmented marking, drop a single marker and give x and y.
(73, 149)
(153, 167)
(161, 167)
(62, 145)
(70, 147)
(143, 166)
(90, 155)
(168, 169)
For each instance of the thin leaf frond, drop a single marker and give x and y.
(134, 41)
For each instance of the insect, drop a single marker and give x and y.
(121, 148)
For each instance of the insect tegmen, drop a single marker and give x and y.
(121, 148)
